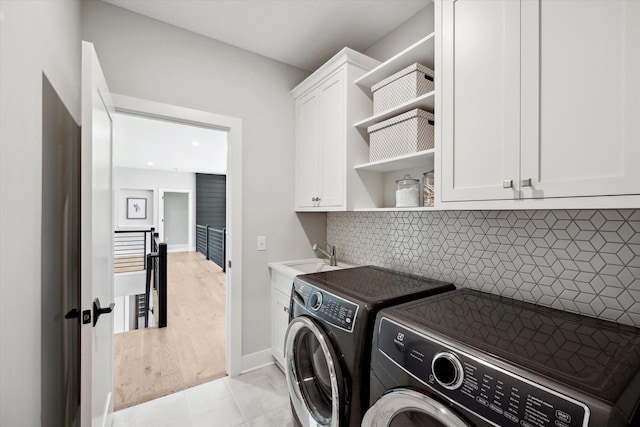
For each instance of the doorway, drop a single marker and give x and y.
(175, 220)
(172, 208)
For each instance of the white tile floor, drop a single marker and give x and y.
(255, 399)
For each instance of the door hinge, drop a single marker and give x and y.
(229, 263)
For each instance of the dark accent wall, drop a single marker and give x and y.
(211, 200)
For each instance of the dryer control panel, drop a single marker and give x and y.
(326, 306)
(493, 393)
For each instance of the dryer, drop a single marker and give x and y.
(328, 341)
(468, 358)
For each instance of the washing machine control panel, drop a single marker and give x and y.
(328, 307)
(493, 393)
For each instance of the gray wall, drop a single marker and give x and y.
(415, 28)
(131, 182)
(36, 37)
(151, 60)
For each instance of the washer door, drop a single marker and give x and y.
(405, 407)
(315, 381)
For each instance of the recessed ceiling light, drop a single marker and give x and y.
(149, 163)
(195, 143)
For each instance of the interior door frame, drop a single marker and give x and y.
(190, 225)
(233, 126)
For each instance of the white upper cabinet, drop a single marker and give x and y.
(480, 99)
(327, 145)
(332, 146)
(539, 99)
(580, 97)
(307, 163)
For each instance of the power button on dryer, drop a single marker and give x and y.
(447, 370)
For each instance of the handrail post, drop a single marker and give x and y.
(162, 285)
(147, 287)
(224, 250)
(208, 242)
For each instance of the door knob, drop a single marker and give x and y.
(84, 316)
(97, 310)
(72, 314)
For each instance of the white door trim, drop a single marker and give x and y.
(190, 214)
(233, 126)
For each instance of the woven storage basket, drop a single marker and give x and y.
(404, 134)
(402, 87)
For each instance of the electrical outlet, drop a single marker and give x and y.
(262, 243)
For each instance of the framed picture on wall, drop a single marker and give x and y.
(136, 208)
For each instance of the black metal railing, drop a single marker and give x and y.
(157, 263)
(130, 249)
(211, 242)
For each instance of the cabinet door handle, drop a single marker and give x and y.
(507, 183)
(285, 309)
(526, 182)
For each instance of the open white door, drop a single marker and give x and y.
(96, 385)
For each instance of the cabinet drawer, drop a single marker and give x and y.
(281, 282)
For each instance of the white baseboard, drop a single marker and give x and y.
(107, 420)
(256, 360)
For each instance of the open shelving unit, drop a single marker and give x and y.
(423, 52)
(407, 161)
(424, 102)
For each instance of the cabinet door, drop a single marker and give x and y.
(580, 97)
(333, 102)
(279, 323)
(308, 122)
(480, 117)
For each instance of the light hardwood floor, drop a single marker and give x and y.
(150, 363)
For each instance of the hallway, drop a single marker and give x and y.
(150, 363)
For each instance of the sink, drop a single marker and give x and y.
(306, 266)
(316, 266)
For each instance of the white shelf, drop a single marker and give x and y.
(394, 209)
(407, 161)
(423, 52)
(424, 102)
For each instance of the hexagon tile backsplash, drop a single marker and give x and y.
(584, 261)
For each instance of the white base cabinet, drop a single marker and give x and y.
(539, 99)
(280, 296)
(280, 321)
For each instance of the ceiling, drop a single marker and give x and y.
(302, 33)
(167, 145)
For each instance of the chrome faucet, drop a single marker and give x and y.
(331, 254)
